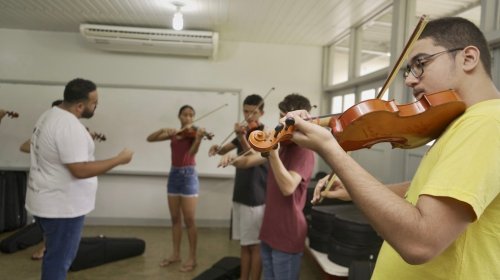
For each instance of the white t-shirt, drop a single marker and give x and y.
(59, 138)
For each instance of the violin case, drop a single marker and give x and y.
(95, 251)
(343, 233)
(318, 240)
(227, 268)
(13, 215)
(349, 226)
(361, 270)
(22, 239)
(344, 254)
(321, 226)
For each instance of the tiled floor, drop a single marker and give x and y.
(213, 244)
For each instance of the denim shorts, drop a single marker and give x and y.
(183, 181)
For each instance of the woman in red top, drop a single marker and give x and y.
(183, 184)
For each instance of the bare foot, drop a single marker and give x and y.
(169, 261)
(188, 266)
(38, 254)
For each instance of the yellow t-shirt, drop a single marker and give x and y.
(463, 164)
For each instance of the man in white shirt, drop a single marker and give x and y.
(62, 183)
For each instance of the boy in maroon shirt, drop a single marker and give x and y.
(284, 228)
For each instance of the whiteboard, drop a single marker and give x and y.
(126, 116)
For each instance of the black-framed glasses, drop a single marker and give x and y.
(417, 67)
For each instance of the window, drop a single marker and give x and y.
(340, 103)
(339, 61)
(385, 96)
(349, 100)
(376, 42)
(367, 94)
(337, 105)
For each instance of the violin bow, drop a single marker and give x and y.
(246, 120)
(204, 116)
(399, 63)
(209, 113)
(240, 156)
(328, 186)
(408, 47)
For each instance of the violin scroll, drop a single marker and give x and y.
(263, 142)
(208, 135)
(98, 136)
(12, 114)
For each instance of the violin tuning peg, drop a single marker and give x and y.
(265, 154)
(278, 129)
(289, 122)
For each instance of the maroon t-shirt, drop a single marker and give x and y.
(180, 152)
(284, 227)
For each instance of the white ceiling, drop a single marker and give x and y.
(303, 22)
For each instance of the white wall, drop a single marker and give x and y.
(56, 57)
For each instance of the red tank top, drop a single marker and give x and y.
(180, 152)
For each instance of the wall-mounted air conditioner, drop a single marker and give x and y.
(151, 40)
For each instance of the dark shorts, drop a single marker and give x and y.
(183, 181)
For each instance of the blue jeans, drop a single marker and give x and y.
(62, 238)
(278, 265)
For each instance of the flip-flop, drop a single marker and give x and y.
(167, 262)
(187, 267)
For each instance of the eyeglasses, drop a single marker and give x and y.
(417, 67)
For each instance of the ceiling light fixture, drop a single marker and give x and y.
(178, 19)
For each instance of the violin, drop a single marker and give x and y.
(374, 121)
(190, 132)
(98, 136)
(250, 126)
(12, 114)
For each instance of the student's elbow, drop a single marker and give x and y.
(286, 192)
(416, 254)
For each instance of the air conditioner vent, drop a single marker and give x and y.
(151, 40)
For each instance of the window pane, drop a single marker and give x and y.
(339, 61)
(349, 100)
(385, 96)
(336, 105)
(376, 42)
(368, 94)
